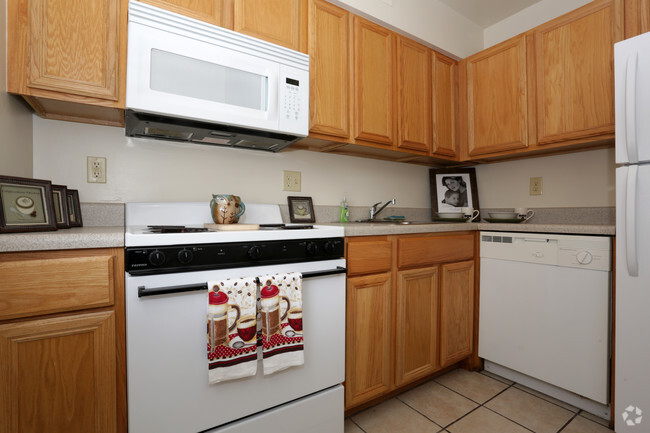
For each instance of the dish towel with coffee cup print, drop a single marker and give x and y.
(232, 329)
(281, 316)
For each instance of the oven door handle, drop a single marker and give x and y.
(337, 270)
(142, 291)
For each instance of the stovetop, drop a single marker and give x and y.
(182, 223)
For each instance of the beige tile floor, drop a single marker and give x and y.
(472, 402)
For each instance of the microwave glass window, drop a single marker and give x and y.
(208, 81)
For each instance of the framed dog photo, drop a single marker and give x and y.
(301, 210)
(452, 189)
(26, 205)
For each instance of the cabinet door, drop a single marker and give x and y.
(637, 17)
(456, 311)
(209, 11)
(574, 57)
(413, 86)
(496, 89)
(282, 22)
(368, 338)
(444, 96)
(71, 47)
(329, 70)
(416, 324)
(373, 83)
(59, 374)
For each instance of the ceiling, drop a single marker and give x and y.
(488, 12)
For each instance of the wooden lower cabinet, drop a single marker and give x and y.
(368, 339)
(409, 321)
(62, 342)
(456, 311)
(416, 324)
(59, 374)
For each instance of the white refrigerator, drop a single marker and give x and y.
(632, 362)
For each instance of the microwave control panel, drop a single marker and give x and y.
(294, 100)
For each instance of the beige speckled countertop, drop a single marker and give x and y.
(104, 237)
(369, 229)
(73, 238)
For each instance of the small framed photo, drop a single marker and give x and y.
(452, 189)
(26, 205)
(301, 210)
(60, 201)
(74, 208)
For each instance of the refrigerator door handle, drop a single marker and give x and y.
(630, 221)
(630, 108)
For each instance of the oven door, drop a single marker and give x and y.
(167, 368)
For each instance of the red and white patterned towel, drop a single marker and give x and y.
(281, 317)
(232, 329)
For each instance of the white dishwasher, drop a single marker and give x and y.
(545, 309)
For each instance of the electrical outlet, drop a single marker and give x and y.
(96, 169)
(291, 180)
(535, 186)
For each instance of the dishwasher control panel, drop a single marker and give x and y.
(576, 251)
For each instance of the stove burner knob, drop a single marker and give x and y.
(185, 256)
(328, 247)
(312, 248)
(157, 258)
(254, 252)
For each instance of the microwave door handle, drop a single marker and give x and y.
(143, 291)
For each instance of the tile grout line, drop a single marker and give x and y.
(409, 406)
(568, 422)
(548, 401)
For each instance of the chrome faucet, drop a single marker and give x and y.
(373, 210)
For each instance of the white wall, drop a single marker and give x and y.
(582, 179)
(151, 170)
(528, 18)
(155, 170)
(429, 20)
(15, 119)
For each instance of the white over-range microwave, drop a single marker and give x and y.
(192, 81)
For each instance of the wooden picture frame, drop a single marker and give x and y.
(26, 205)
(452, 189)
(74, 208)
(60, 202)
(301, 209)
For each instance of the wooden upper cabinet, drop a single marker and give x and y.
(72, 51)
(373, 82)
(209, 11)
(495, 91)
(413, 95)
(444, 105)
(329, 70)
(282, 22)
(574, 57)
(637, 17)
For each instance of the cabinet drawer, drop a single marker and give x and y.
(368, 255)
(43, 283)
(428, 250)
